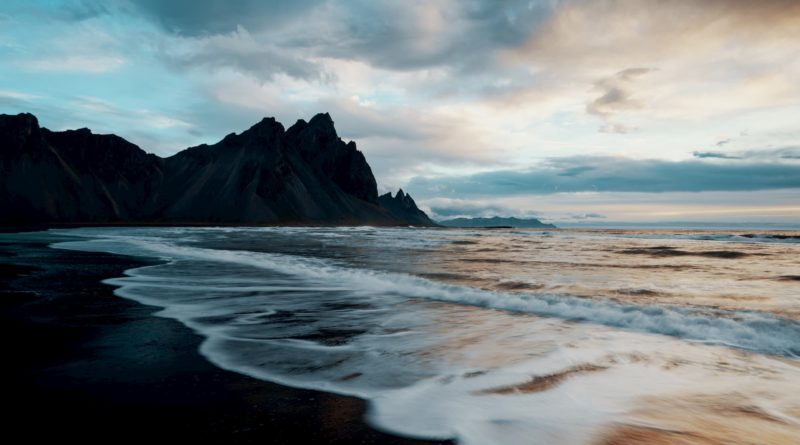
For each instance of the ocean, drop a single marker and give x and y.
(496, 336)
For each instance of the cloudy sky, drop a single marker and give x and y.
(671, 110)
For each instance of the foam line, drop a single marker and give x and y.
(750, 331)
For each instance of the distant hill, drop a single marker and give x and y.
(497, 221)
(265, 175)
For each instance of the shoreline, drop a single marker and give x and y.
(90, 365)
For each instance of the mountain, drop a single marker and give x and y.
(403, 207)
(497, 221)
(264, 175)
(71, 176)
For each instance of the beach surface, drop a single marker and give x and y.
(377, 335)
(88, 365)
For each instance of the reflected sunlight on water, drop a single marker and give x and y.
(501, 336)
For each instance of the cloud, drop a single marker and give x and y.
(17, 99)
(618, 174)
(708, 59)
(713, 154)
(585, 216)
(432, 89)
(67, 44)
(267, 38)
(446, 208)
(607, 33)
(154, 131)
(358, 121)
(406, 35)
(79, 10)
(393, 34)
(733, 206)
(208, 17)
(142, 117)
(616, 128)
(763, 154)
(399, 140)
(617, 94)
(782, 153)
(76, 64)
(241, 51)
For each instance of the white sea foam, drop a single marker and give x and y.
(746, 330)
(323, 324)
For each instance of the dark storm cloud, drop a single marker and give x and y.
(616, 174)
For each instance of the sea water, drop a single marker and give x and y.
(496, 336)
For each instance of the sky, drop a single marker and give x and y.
(571, 111)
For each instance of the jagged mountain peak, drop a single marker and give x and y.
(401, 198)
(319, 129)
(322, 120)
(18, 126)
(402, 206)
(19, 120)
(264, 175)
(298, 126)
(267, 129)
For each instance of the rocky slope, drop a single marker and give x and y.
(403, 208)
(264, 175)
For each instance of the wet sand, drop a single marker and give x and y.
(81, 363)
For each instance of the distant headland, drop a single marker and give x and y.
(497, 222)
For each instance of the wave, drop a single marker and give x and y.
(433, 370)
(751, 331)
(725, 237)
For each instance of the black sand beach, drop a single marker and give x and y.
(81, 363)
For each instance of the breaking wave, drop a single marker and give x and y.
(752, 331)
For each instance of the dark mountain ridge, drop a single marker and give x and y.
(497, 221)
(264, 175)
(403, 207)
